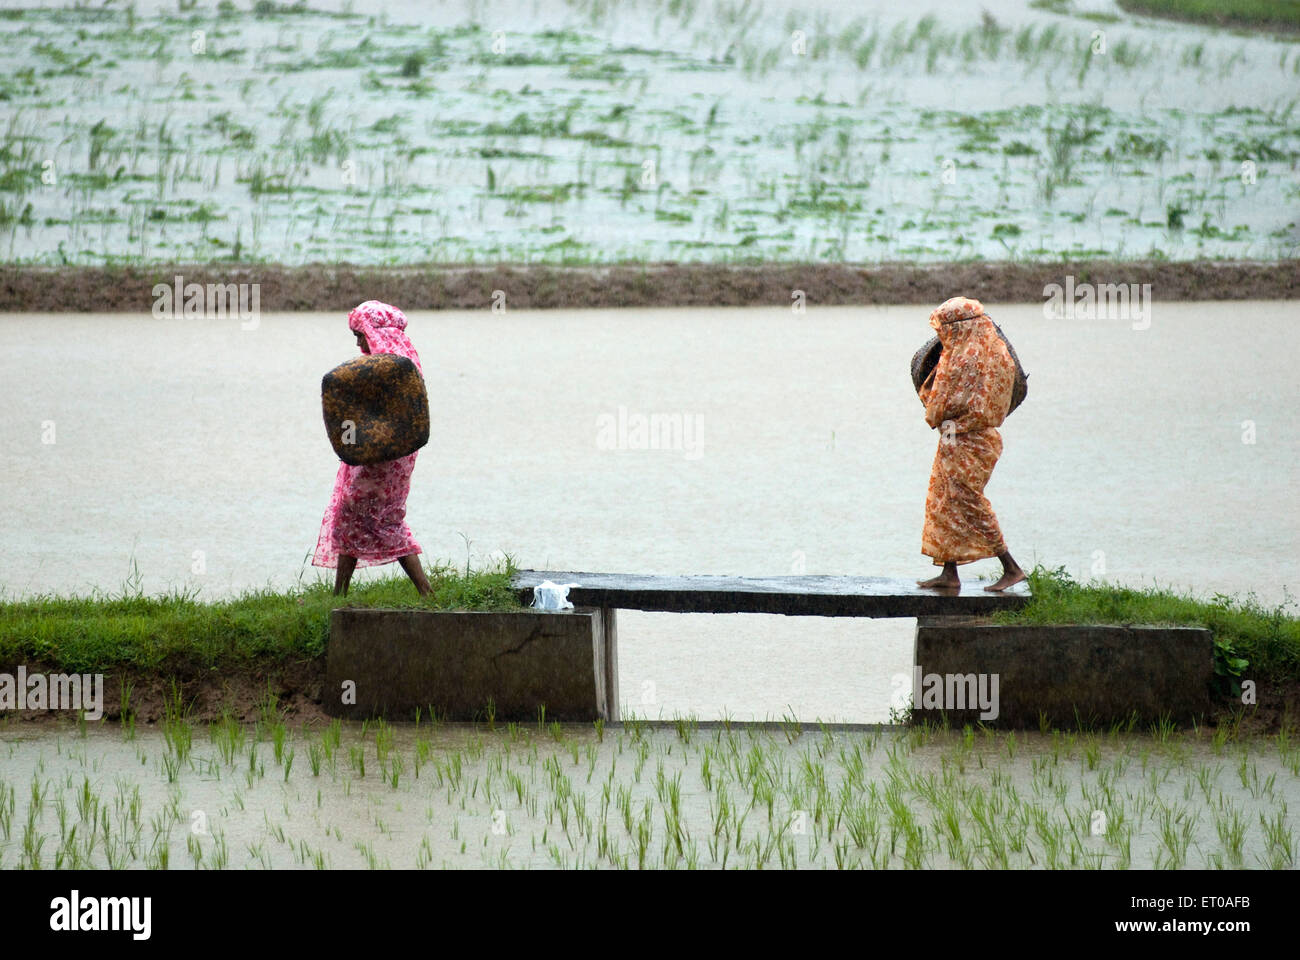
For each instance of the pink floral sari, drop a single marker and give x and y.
(366, 517)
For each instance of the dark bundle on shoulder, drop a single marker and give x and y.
(376, 409)
(927, 358)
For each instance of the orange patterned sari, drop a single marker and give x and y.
(966, 398)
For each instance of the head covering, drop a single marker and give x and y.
(955, 310)
(382, 324)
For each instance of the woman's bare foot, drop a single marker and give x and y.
(1006, 580)
(947, 579)
(1011, 574)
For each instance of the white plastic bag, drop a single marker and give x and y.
(552, 596)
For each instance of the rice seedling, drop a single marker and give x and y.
(395, 771)
(1092, 754)
(424, 854)
(178, 732)
(1279, 839)
(278, 735)
(228, 736)
(368, 853)
(316, 756)
(357, 758)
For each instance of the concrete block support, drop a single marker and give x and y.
(1089, 673)
(388, 663)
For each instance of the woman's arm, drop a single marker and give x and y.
(933, 395)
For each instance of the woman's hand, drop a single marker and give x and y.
(933, 409)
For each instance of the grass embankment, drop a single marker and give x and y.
(101, 632)
(235, 648)
(227, 655)
(1252, 641)
(1255, 14)
(130, 630)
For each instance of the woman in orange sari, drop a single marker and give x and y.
(966, 398)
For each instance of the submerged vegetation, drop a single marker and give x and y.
(382, 143)
(633, 796)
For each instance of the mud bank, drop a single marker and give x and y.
(430, 287)
(205, 694)
(296, 688)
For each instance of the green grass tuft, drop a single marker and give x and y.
(1259, 14)
(131, 630)
(1267, 637)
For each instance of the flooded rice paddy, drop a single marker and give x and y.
(593, 131)
(630, 796)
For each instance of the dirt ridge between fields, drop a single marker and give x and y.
(206, 695)
(71, 289)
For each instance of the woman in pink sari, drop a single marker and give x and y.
(365, 523)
